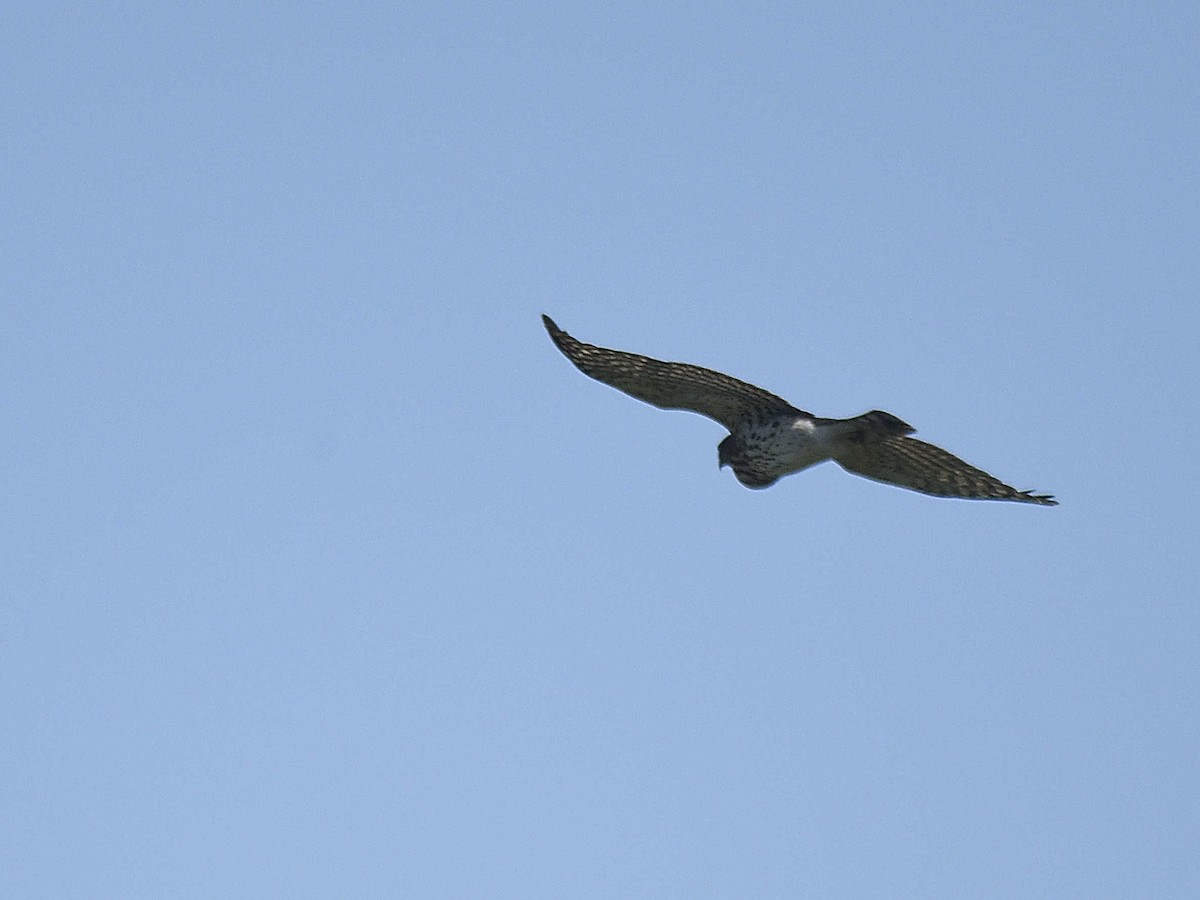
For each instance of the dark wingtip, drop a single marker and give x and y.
(1042, 499)
(560, 338)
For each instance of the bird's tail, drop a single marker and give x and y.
(877, 423)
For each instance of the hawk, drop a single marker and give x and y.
(769, 438)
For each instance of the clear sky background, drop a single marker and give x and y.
(325, 574)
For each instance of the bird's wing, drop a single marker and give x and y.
(671, 385)
(919, 466)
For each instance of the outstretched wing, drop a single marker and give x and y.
(919, 466)
(671, 385)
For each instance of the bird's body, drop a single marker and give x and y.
(763, 452)
(784, 444)
(769, 438)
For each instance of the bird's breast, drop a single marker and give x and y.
(790, 444)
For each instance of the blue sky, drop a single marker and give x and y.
(326, 575)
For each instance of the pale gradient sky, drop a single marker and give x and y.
(324, 574)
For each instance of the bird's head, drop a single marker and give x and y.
(729, 451)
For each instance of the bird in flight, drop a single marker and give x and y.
(769, 438)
